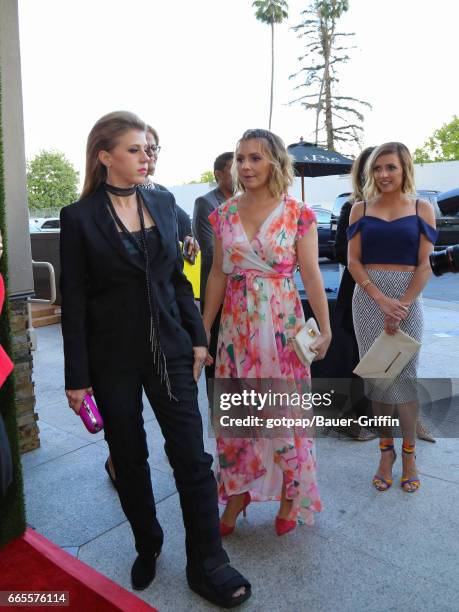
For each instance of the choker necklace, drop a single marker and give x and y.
(120, 191)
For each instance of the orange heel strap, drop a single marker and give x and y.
(386, 444)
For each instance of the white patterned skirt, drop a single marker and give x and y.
(369, 323)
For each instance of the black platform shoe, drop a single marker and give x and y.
(216, 581)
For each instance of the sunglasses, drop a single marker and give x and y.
(152, 150)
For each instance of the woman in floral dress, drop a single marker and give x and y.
(260, 238)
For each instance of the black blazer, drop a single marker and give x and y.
(105, 313)
(183, 218)
(347, 284)
(202, 230)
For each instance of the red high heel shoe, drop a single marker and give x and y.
(283, 526)
(226, 530)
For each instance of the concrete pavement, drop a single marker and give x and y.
(368, 551)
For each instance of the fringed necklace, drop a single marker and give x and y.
(159, 359)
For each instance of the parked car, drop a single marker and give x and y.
(51, 224)
(335, 213)
(448, 219)
(448, 202)
(445, 205)
(323, 228)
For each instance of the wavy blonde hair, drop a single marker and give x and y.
(370, 189)
(104, 137)
(273, 149)
(358, 174)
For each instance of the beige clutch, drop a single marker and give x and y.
(387, 356)
(303, 340)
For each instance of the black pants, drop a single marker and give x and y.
(210, 370)
(120, 402)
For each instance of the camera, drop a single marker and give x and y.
(445, 261)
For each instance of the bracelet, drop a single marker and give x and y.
(365, 283)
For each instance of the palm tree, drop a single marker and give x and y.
(271, 12)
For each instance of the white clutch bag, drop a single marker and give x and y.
(387, 357)
(303, 340)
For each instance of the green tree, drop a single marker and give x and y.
(271, 12)
(206, 177)
(342, 117)
(52, 181)
(442, 146)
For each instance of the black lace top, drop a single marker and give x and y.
(153, 242)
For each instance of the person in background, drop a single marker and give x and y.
(387, 294)
(202, 230)
(130, 324)
(359, 403)
(260, 238)
(183, 219)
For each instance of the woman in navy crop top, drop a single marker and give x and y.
(391, 236)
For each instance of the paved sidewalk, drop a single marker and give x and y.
(368, 551)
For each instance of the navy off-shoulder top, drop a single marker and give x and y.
(391, 242)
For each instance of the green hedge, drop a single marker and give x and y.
(12, 514)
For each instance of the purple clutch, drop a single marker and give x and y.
(90, 415)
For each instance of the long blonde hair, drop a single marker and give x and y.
(358, 174)
(370, 189)
(281, 176)
(104, 137)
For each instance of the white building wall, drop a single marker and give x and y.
(442, 176)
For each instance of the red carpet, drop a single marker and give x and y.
(33, 563)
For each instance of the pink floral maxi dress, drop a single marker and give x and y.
(261, 311)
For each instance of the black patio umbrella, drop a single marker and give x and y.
(311, 160)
